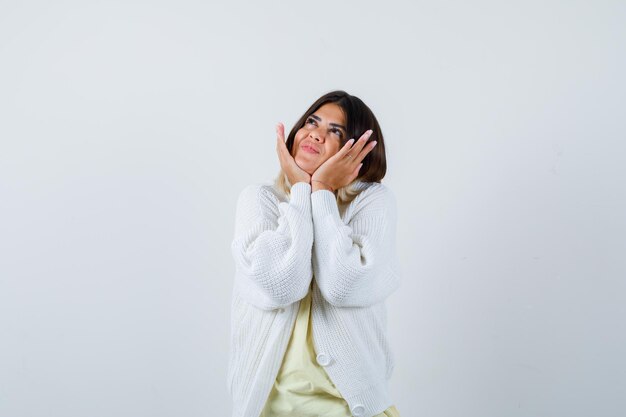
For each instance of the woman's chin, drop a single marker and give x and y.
(309, 171)
(306, 166)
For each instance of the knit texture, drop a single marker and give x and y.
(280, 243)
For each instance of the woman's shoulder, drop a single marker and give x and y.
(256, 187)
(370, 192)
(260, 191)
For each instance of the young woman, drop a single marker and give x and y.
(315, 260)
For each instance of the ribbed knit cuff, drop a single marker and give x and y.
(324, 203)
(373, 400)
(300, 194)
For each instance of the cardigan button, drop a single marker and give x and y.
(358, 410)
(323, 359)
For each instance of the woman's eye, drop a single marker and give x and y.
(335, 130)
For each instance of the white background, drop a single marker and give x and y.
(128, 128)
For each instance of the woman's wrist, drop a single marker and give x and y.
(319, 185)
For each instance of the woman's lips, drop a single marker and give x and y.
(309, 149)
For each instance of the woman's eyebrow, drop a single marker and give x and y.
(319, 119)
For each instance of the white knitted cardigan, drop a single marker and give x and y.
(280, 245)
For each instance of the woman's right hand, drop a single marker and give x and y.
(287, 163)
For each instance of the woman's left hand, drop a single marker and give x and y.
(343, 167)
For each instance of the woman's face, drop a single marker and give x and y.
(320, 137)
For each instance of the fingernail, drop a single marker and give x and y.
(374, 143)
(351, 141)
(369, 132)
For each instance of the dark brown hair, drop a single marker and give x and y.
(359, 118)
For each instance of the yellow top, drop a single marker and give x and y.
(302, 387)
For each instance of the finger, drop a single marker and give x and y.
(366, 149)
(286, 159)
(279, 134)
(281, 149)
(280, 131)
(355, 173)
(280, 145)
(346, 148)
(361, 142)
(355, 150)
(280, 138)
(355, 154)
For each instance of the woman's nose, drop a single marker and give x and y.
(316, 135)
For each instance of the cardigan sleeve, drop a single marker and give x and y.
(272, 245)
(355, 264)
